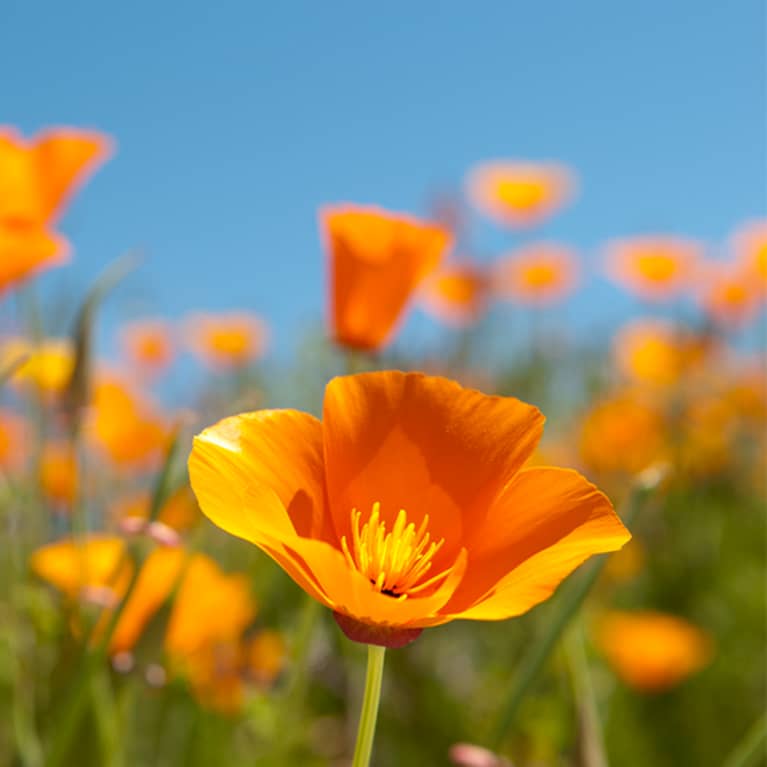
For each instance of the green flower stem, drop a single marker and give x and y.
(369, 714)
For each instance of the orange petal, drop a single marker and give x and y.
(376, 261)
(73, 565)
(64, 158)
(26, 250)
(422, 444)
(543, 525)
(154, 585)
(260, 476)
(347, 591)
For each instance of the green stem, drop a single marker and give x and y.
(749, 749)
(369, 714)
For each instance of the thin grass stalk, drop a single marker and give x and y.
(752, 747)
(593, 752)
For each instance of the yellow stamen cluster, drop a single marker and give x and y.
(395, 562)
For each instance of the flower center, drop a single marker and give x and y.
(395, 562)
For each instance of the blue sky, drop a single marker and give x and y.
(235, 121)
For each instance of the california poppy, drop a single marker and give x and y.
(376, 260)
(59, 473)
(653, 651)
(148, 345)
(624, 433)
(729, 294)
(520, 194)
(536, 274)
(457, 294)
(124, 424)
(37, 177)
(656, 353)
(226, 341)
(655, 268)
(408, 505)
(47, 366)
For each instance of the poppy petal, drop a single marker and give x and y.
(422, 444)
(259, 475)
(543, 525)
(64, 160)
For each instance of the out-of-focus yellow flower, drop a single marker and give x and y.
(729, 294)
(204, 635)
(653, 651)
(125, 426)
(376, 261)
(211, 607)
(457, 294)
(14, 441)
(520, 194)
(656, 353)
(623, 434)
(536, 274)
(59, 473)
(148, 345)
(226, 341)
(655, 268)
(179, 512)
(48, 366)
(37, 177)
(92, 568)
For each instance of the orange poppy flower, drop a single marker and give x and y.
(48, 366)
(750, 246)
(93, 567)
(14, 441)
(623, 434)
(148, 345)
(376, 260)
(520, 194)
(210, 607)
(653, 651)
(729, 294)
(37, 177)
(59, 473)
(654, 268)
(407, 506)
(125, 426)
(656, 353)
(537, 274)
(456, 294)
(226, 341)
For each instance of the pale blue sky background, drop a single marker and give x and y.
(235, 121)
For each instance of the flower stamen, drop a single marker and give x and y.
(395, 562)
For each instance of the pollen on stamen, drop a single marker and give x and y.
(395, 562)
